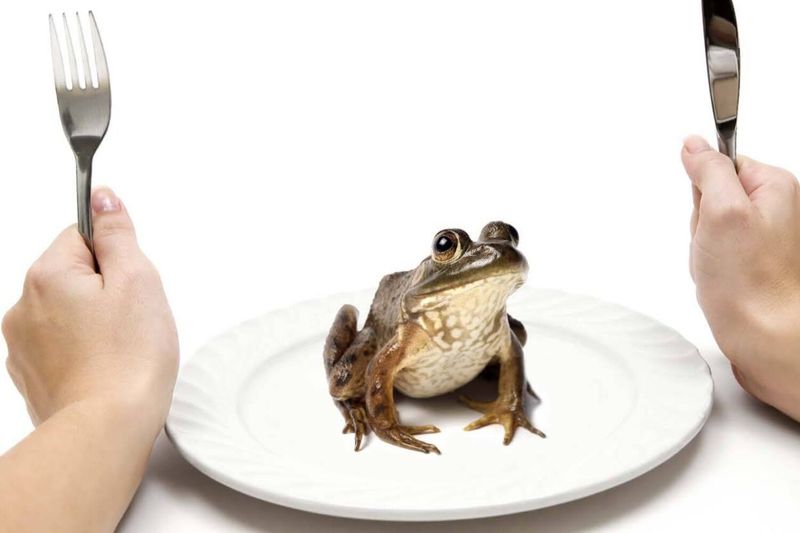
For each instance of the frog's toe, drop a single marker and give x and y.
(419, 430)
(522, 421)
(483, 421)
(513, 420)
(481, 407)
(510, 420)
(359, 436)
(399, 437)
(357, 423)
(360, 431)
(349, 428)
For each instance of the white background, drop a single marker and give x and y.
(274, 152)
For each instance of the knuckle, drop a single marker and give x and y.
(8, 323)
(111, 227)
(735, 213)
(786, 182)
(140, 272)
(752, 386)
(715, 162)
(13, 371)
(749, 167)
(39, 275)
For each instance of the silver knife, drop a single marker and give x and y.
(724, 65)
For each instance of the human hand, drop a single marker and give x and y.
(77, 335)
(745, 262)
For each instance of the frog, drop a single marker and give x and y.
(429, 332)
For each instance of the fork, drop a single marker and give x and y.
(85, 109)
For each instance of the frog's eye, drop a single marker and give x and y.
(446, 246)
(512, 231)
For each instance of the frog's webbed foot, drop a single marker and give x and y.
(402, 436)
(355, 415)
(499, 412)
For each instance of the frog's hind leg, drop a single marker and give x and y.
(347, 353)
(518, 329)
(341, 335)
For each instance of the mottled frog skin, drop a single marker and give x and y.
(430, 331)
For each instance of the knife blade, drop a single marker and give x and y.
(724, 67)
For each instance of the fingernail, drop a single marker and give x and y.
(105, 201)
(695, 144)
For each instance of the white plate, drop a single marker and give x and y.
(620, 393)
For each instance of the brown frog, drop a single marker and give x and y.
(430, 331)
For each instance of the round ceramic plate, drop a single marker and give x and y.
(620, 394)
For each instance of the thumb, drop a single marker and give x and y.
(710, 171)
(714, 175)
(114, 237)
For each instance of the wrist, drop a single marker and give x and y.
(120, 414)
(140, 397)
(772, 357)
(776, 326)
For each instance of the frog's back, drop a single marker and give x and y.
(384, 314)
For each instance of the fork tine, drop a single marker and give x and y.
(73, 64)
(87, 71)
(58, 61)
(101, 67)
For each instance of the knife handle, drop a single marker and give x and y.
(727, 146)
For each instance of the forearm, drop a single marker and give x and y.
(77, 471)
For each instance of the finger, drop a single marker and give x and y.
(710, 171)
(751, 174)
(754, 174)
(114, 236)
(12, 373)
(746, 383)
(723, 200)
(739, 376)
(67, 257)
(695, 195)
(18, 382)
(773, 190)
(67, 251)
(695, 210)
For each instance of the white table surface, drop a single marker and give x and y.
(280, 152)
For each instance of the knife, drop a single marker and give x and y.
(724, 65)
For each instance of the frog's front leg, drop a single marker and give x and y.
(347, 353)
(380, 397)
(508, 409)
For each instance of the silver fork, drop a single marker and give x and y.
(85, 110)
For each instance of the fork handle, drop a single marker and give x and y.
(83, 166)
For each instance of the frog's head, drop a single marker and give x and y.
(491, 266)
